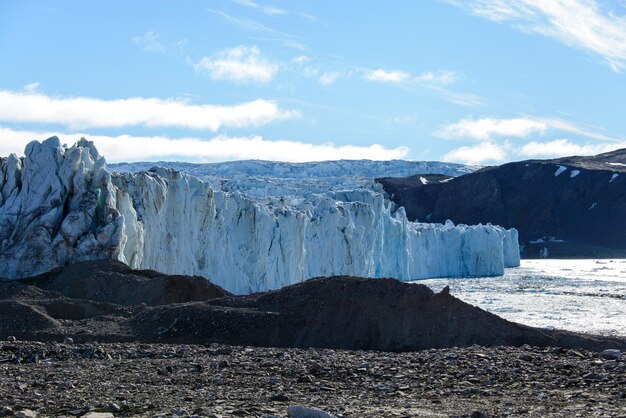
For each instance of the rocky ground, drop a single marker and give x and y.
(130, 379)
(367, 347)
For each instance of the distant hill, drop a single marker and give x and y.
(571, 207)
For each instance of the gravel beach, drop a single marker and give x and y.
(130, 379)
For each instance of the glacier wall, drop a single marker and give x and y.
(60, 205)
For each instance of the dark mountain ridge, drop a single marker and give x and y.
(571, 207)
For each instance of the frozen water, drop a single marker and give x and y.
(576, 295)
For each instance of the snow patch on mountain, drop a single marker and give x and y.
(560, 170)
(61, 205)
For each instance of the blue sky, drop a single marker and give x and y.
(478, 81)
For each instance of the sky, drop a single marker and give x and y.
(470, 81)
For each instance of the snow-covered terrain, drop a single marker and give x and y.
(324, 169)
(288, 180)
(61, 205)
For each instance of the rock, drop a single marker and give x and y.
(6, 411)
(66, 385)
(68, 341)
(279, 397)
(98, 415)
(26, 413)
(363, 367)
(180, 412)
(611, 354)
(314, 367)
(445, 290)
(297, 411)
(576, 353)
(594, 377)
(223, 351)
(11, 339)
(113, 407)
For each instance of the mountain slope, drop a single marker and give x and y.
(566, 207)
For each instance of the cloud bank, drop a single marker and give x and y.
(86, 112)
(489, 128)
(494, 139)
(221, 148)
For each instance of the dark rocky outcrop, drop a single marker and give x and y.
(116, 283)
(335, 312)
(575, 211)
(349, 313)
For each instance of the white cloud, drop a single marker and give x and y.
(86, 112)
(32, 87)
(435, 78)
(403, 119)
(436, 81)
(150, 42)
(220, 148)
(301, 59)
(481, 153)
(586, 24)
(563, 147)
(489, 128)
(566, 126)
(286, 39)
(384, 76)
(442, 78)
(268, 10)
(242, 64)
(327, 79)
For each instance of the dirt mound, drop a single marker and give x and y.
(19, 290)
(109, 302)
(22, 319)
(347, 313)
(114, 282)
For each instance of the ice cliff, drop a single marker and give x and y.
(61, 205)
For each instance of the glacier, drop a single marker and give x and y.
(60, 205)
(261, 179)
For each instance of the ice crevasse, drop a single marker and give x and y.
(61, 205)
